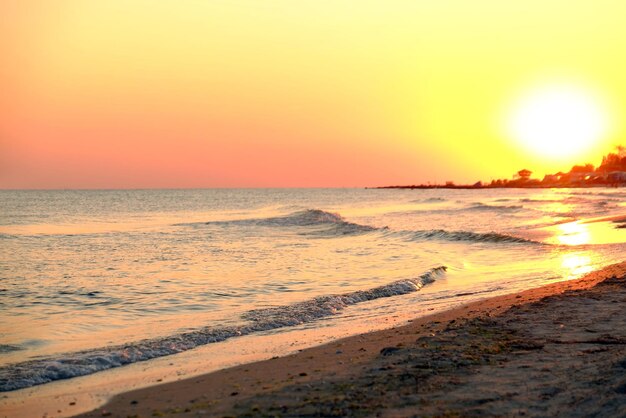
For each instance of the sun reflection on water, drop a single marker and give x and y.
(574, 233)
(591, 231)
(576, 264)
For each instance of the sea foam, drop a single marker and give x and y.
(44, 370)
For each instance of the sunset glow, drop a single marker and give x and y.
(132, 94)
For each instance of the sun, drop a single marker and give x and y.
(558, 121)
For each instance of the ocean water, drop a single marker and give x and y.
(91, 280)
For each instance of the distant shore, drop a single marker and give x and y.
(489, 186)
(553, 350)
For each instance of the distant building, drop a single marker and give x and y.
(617, 177)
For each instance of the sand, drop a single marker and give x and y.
(555, 350)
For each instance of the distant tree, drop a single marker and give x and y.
(615, 161)
(587, 168)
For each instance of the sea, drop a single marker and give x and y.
(92, 280)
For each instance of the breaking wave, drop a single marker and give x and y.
(307, 217)
(44, 370)
(478, 237)
(328, 305)
(483, 206)
(429, 200)
(327, 223)
(334, 224)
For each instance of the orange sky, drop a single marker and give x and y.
(182, 93)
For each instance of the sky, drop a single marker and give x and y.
(235, 93)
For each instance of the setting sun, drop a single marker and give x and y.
(558, 121)
(312, 208)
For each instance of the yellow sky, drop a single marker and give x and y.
(182, 93)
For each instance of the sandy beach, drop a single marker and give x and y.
(556, 350)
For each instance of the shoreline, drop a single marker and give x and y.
(240, 388)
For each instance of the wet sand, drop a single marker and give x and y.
(555, 350)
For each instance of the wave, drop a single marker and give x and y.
(478, 206)
(44, 370)
(620, 222)
(474, 207)
(335, 224)
(531, 200)
(429, 200)
(583, 213)
(594, 193)
(569, 199)
(585, 199)
(307, 217)
(477, 237)
(8, 348)
(323, 306)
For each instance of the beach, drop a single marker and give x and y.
(555, 350)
